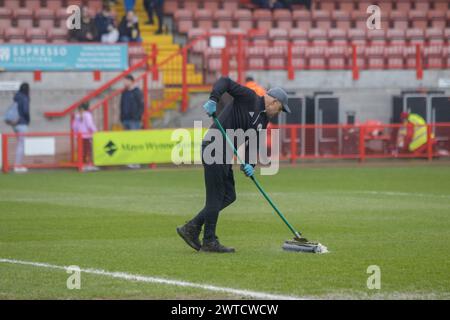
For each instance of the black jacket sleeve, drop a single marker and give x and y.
(237, 91)
(23, 106)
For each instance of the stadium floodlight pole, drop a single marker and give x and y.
(296, 233)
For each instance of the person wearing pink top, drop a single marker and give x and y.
(83, 123)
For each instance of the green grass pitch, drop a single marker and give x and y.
(397, 218)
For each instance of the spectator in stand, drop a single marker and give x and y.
(83, 123)
(158, 7)
(131, 108)
(88, 30)
(263, 4)
(129, 5)
(282, 4)
(104, 21)
(129, 28)
(252, 84)
(273, 4)
(22, 98)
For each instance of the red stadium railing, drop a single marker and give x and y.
(296, 142)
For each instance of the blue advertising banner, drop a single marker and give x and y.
(63, 57)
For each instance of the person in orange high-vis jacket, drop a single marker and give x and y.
(252, 84)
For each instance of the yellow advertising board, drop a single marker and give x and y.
(147, 146)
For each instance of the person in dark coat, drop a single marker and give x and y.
(131, 105)
(88, 30)
(129, 28)
(22, 98)
(156, 6)
(104, 21)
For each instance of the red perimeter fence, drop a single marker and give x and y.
(360, 142)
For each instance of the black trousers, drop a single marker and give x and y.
(159, 10)
(220, 193)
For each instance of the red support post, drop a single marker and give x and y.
(80, 152)
(37, 76)
(293, 145)
(184, 84)
(72, 146)
(97, 75)
(240, 60)
(5, 165)
(419, 66)
(290, 67)
(362, 143)
(429, 143)
(155, 73)
(355, 69)
(146, 101)
(105, 115)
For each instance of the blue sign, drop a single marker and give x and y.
(63, 57)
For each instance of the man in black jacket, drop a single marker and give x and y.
(131, 105)
(247, 111)
(22, 98)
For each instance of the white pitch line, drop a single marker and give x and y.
(171, 282)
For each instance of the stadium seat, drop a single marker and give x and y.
(375, 57)
(184, 20)
(442, 5)
(447, 35)
(203, 18)
(256, 57)
(231, 5)
(433, 56)
(54, 4)
(435, 36)
(394, 57)
(415, 36)
(386, 7)
(5, 18)
(212, 5)
(262, 19)
(376, 37)
(437, 19)
(342, 19)
(347, 5)
(403, 5)
(24, 17)
(421, 5)
(316, 57)
(359, 19)
(327, 5)
(36, 36)
(191, 5)
(224, 19)
(302, 19)
(396, 36)
(11, 4)
(338, 37)
(259, 37)
(418, 19)
(410, 56)
(58, 35)
(276, 57)
(61, 17)
(33, 4)
(318, 36)
(279, 37)
(243, 19)
(357, 36)
(45, 18)
(337, 57)
(446, 56)
(322, 19)
(399, 20)
(15, 35)
(299, 60)
(299, 36)
(283, 18)
(170, 6)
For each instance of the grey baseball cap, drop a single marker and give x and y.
(281, 96)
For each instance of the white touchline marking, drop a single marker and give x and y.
(148, 279)
(406, 194)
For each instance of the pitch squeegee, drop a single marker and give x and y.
(299, 243)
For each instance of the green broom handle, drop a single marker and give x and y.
(231, 144)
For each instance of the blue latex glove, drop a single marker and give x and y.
(248, 169)
(210, 107)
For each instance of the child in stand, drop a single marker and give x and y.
(83, 123)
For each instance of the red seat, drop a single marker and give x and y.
(375, 57)
(170, 6)
(396, 36)
(357, 36)
(437, 19)
(15, 35)
(410, 57)
(33, 4)
(191, 5)
(434, 36)
(347, 5)
(403, 5)
(243, 19)
(24, 17)
(279, 37)
(418, 19)
(203, 17)
(415, 36)
(298, 36)
(184, 20)
(231, 5)
(446, 56)
(337, 57)
(342, 19)
(316, 58)
(442, 5)
(283, 18)
(5, 18)
(433, 56)
(262, 19)
(386, 6)
(259, 37)
(61, 17)
(359, 19)
(327, 5)
(376, 36)
(276, 57)
(299, 60)
(318, 36)
(11, 4)
(58, 35)
(422, 5)
(36, 36)
(256, 57)
(322, 19)
(399, 20)
(212, 5)
(54, 4)
(224, 19)
(338, 37)
(447, 35)
(302, 19)
(45, 18)
(394, 57)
